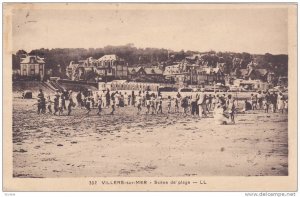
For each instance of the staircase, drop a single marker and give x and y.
(56, 85)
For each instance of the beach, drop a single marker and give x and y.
(130, 145)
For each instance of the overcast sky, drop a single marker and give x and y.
(237, 30)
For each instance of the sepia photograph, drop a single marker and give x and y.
(150, 90)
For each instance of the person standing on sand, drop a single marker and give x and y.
(107, 98)
(60, 105)
(103, 98)
(49, 106)
(40, 96)
(280, 102)
(126, 100)
(64, 96)
(83, 100)
(139, 103)
(88, 104)
(43, 105)
(99, 105)
(132, 99)
(39, 105)
(56, 104)
(274, 102)
(259, 100)
(201, 103)
(169, 103)
(71, 102)
(231, 107)
(129, 100)
(286, 105)
(268, 99)
(156, 101)
(176, 107)
(208, 102)
(79, 99)
(117, 99)
(148, 106)
(265, 105)
(194, 105)
(113, 104)
(253, 101)
(152, 100)
(159, 108)
(184, 105)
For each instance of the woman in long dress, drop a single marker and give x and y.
(280, 102)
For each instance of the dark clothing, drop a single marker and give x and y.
(71, 104)
(247, 106)
(79, 98)
(194, 108)
(107, 98)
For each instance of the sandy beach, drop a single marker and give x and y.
(127, 144)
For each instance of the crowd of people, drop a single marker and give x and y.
(223, 107)
(269, 102)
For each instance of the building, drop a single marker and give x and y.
(108, 67)
(148, 74)
(112, 65)
(133, 72)
(252, 84)
(177, 73)
(209, 75)
(255, 74)
(32, 66)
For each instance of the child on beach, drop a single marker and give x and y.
(126, 101)
(213, 102)
(286, 105)
(231, 108)
(177, 101)
(56, 105)
(113, 106)
(139, 103)
(99, 105)
(88, 105)
(159, 108)
(148, 106)
(49, 106)
(169, 102)
(265, 105)
(71, 102)
(184, 105)
(60, 105)
(152, 104)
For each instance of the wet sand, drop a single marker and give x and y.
(127, 144)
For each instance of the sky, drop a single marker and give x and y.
(256, 31)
